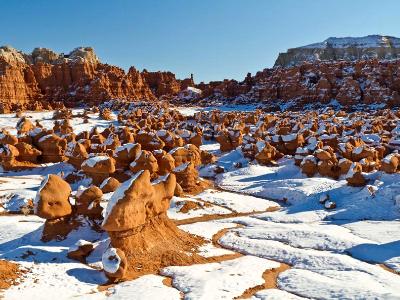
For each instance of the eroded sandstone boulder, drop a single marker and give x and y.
(141, 233)
(98, 168)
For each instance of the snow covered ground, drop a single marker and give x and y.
(9, 121)
(350, 252)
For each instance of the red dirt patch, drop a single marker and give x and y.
(269, 277)
(9, 273)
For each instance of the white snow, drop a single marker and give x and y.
(207, 230)
(274, 294)
(111, 260)
(78, 244)
(369, 41)
(92, 161)
(324, 265)
(236, 202)
(178, 202)
(147, 287)
(224, 280)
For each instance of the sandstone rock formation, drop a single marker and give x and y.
(141, 234)
(80, 250)
(52, 203)
(52, 198)
(98, 168)
(44, 78)
(109, 185)
(348, 48)
(88, 202)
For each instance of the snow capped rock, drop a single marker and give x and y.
(368, 47)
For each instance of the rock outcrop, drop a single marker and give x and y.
(143, 238)
(347, 48)
(52, 203)
(347, 72)
(313, 84)
(44, 78)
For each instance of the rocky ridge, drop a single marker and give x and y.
(346, 48)
(44, 78)
(347, 84)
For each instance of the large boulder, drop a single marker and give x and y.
(143, 238)
(98, 168)
(52, 198)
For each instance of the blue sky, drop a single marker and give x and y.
(214, 39)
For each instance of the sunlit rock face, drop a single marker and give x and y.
(35, 81)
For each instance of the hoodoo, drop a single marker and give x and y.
(142, 236)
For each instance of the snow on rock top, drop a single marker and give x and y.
(346, 48)
(369, 41)
(78, 244)
(111, 266)
(91, 162)
(119, 194)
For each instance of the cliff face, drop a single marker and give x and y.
(165, 83)
(45, 77)
(349, 83)
(349, 49)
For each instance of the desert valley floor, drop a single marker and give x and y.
(271, 236)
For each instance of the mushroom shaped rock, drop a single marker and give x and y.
(76, 154)
(98, 168)
(354, 176)
(52, 147)
(27, 152)
(24, 125)
(88, 201)
(138, 226)
(109, 185)
(309, 165)
(53, 205)
(125, 203)
(390, 163)
(126, 154)
(229, 140)
(166, 164)
(52, 198)
(145, 161)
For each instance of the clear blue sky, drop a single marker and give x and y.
(214, 39)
